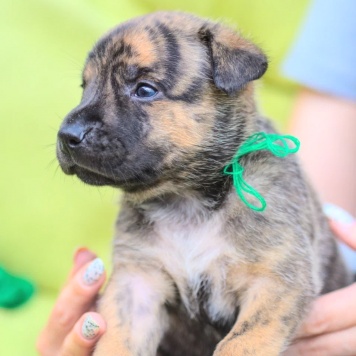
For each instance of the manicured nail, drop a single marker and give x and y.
(93, 272)
(90, 328)
(341, 216)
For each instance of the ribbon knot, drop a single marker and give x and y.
(276, 144)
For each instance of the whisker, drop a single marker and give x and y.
(50, 164)
(49, 145)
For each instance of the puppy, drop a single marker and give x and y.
(167, 103)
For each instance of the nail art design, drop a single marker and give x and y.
(90, 328)
(338, 214)
(93, 272)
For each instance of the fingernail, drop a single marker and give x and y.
(93, 272)
(79, 252)
(90, 328)
(341, 216)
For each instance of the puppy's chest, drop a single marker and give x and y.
(189, 250)
(197, 256)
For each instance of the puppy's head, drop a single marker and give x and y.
(162, 95)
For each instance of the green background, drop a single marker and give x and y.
(45, 215)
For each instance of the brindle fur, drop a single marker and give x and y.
(195, 270)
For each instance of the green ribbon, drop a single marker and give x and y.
(276, 144)
(14, 291)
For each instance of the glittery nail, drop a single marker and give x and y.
(93, 272)
(90, 328)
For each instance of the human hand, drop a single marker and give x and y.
(330, 327)
(345, 233)
(72, 328)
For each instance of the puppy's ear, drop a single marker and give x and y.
(235, 61)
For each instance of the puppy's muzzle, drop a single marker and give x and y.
(87, 149)
(73, 143)
(72, 136)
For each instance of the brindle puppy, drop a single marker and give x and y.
(168, 100)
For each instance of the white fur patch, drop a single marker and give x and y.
(194, 250)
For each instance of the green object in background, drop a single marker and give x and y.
(14, 291)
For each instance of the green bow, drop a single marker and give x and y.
(276, 144)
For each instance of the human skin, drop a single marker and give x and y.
(63, 334)
(329, 328)
(326, 127)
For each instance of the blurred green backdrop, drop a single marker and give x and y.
(44, 214)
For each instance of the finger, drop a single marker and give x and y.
(83, 337)
(346, 233)
(81, 256)
(334, 344)
(331, 312)
(75, 299)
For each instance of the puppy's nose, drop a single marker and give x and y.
(72, 135)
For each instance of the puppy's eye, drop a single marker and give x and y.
(145, 91)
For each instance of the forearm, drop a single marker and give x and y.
(326, 126)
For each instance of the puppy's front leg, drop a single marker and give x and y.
(133, 308)
(270, 312)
